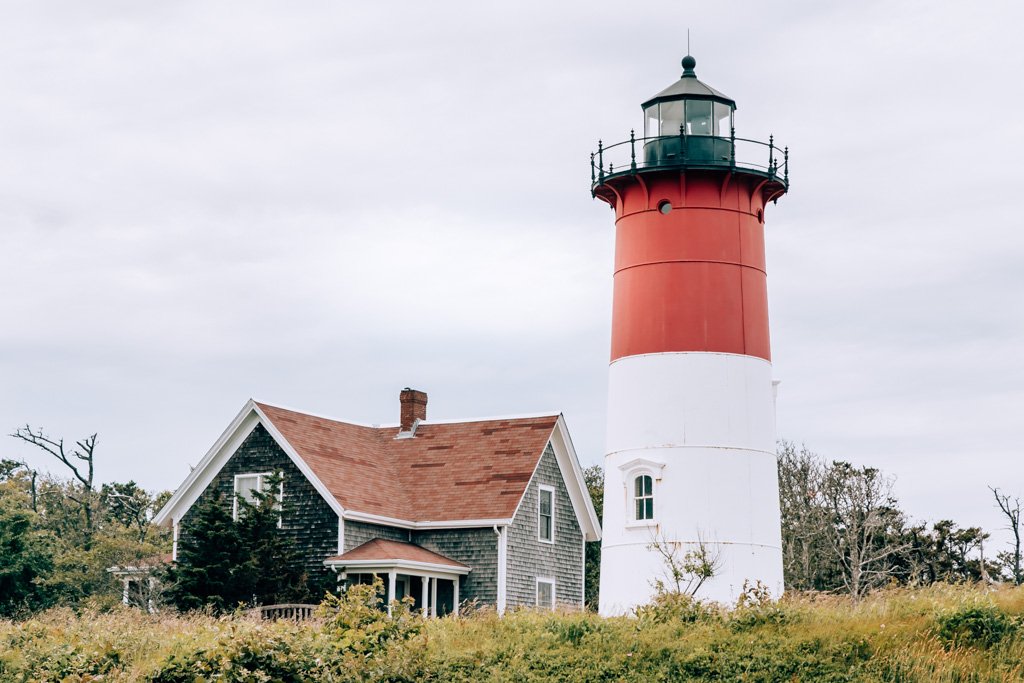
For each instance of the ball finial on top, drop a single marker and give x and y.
(688, 64)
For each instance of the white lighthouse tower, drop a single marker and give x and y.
(690, 459)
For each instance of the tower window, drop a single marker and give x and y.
(643, 497)
(664, 206)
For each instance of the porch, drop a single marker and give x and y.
(407, 570)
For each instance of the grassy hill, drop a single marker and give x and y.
(941, 633)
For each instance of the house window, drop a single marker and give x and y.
(246, 486)
(546, 514)
(643, 497)
(546, 593)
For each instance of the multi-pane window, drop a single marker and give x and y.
(246, 486)
(546, 515)
(546, 593)
(643, 497)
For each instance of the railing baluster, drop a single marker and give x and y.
(682, 141)
(732, 147)
(785, 167)
(600, 161)
(632, 150)
(593, 171)
(771, 152)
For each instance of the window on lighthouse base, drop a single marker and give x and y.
(641, 479)
(643, 498)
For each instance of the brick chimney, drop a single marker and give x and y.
(414, 407)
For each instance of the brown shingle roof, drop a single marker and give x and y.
(449, 471)
(383, 550)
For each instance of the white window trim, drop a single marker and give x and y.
(631, 485)
(536, 591)
(631, 470)
(259, 483)
(551, 489)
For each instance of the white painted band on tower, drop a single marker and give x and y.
(702, 426)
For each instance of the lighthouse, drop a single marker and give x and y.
(690, 464)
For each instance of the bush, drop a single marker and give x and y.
(889, 636)
(358, 619)
(975, 626)
(756, 607)
(669, 607)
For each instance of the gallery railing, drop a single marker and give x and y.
(689, 151)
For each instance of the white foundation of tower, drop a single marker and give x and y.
(703, 425)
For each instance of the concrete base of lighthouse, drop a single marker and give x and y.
(702, 425)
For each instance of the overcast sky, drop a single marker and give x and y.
(317, 204)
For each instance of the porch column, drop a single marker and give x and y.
(425, 606)
(433, 598)
(455, 608)
(124, 593)
(391, 589)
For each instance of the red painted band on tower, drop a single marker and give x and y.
(691, 279)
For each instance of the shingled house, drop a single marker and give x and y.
(491, 509)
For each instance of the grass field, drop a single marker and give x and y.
(941, 633)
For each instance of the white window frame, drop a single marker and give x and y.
(541, 488)
(536, 591)
(630, 471)
(634, 498)
(260, 478)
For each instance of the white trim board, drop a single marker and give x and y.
(213, 462)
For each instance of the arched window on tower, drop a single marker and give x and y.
(643, 497)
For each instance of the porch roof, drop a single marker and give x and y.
(381, 554)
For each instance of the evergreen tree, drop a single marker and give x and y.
(272, 569)
(223, 563)
(209, 553)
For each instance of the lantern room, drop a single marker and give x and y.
(687, 108)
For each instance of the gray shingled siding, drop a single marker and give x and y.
(475, 548)
(529, 557)
(358, 533)
(308, 519)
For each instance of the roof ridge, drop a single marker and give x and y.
(393, 425)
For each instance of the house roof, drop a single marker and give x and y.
(440, 474)
(385, 551)
(474, 470)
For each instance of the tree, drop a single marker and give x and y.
(593, 476)
(865, 527)
(79, 461)
(687, 572)
(9, 469)
(1010, 507)
(224, 563)
(805, 549)
(129, 505)
(208, 554)
(943, 553)
(25, 557)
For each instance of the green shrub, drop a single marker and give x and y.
(359, 621)
(669, 607)
(756, 607)
(975, 626)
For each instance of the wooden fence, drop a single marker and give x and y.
(293, 612)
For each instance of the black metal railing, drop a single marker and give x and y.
(689, 151)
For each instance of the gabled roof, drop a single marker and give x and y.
(381, 550)
(448, 471)
(449, 474)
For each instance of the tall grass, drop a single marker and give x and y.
(941, 633)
